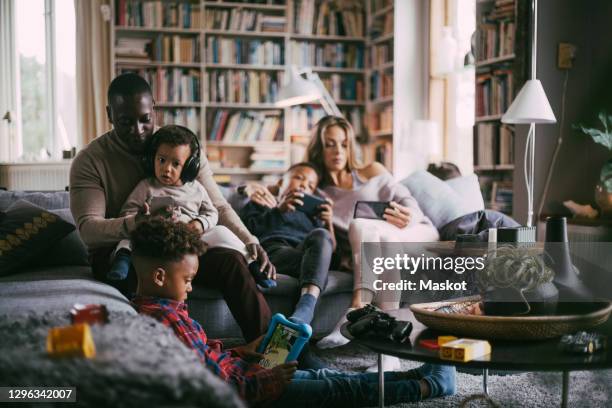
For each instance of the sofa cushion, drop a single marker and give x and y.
(27, 232)
(49, 200)
(468, 189)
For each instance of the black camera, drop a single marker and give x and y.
(583, 342)
(370, 320)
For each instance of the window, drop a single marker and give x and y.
(44, 40)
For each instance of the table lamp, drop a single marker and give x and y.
(299, 90)
(531, 107)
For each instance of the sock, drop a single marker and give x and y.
(335, 338)
(121, 265)
(304, 310)
(441, 380)
(390, 363)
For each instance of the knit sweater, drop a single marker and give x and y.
(104, 174)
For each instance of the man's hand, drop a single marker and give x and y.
(290, 201)
(397, 215)
(327, 212)
(259, 254)
(285, 372)
(259, 194)
(248, 352)
(196, 226)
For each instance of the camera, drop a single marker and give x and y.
(583, 342)
(369, 320)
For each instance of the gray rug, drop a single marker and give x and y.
(587, 388)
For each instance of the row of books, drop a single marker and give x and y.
(344, 87)
(243, 87)
(171, 85)
(337, 55)
(185, 117)
(381, 85)
(381, 120)
(493, 144)
(381, 54)
(500, 196)
(268, 158)
(377, 5)
(381, 26)
(495, 39)
(238, 19)
(157, 13)
(302, 119)
(164, 48)
(325, 17)
(244, 126)
(383, 153)
(244, 51)
(494, 92)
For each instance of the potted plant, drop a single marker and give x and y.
(603, 189)
(516, 281)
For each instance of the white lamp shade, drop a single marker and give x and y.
(297, 91)
(530, 106)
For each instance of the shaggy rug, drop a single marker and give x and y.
(138, 363)
(587, 388)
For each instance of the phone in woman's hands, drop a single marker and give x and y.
(374, 210)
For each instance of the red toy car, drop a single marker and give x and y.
(91, 314)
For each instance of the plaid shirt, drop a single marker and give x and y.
(254, 383)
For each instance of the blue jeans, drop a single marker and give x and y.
(309, 261)
(331, 388)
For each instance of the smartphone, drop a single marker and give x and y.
(158, 204)
(311, 204)
(373, 210)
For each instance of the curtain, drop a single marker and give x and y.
(10, 146)
(93, 67)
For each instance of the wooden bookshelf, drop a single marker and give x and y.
(158, 23)
(501, 56)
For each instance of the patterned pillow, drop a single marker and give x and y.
(26, 232)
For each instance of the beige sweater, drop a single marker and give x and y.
(103, 175)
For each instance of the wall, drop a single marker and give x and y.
(589, 87)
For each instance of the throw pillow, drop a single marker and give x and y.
(70, 250)
(468, 188)
(26, 232)
(438, 200)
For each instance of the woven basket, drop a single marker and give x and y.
(508, 327)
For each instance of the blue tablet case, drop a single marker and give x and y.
(299, 332)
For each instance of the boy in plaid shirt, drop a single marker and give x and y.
(165, 256)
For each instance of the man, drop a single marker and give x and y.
(105, 172)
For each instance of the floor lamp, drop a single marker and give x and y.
(531, 107)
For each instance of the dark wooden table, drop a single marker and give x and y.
(506, 355)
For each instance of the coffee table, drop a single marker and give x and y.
(506, 355)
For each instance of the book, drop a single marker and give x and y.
(238, 86)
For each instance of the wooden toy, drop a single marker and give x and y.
(71, 341)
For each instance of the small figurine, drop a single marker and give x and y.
(91, 314)
(71, 341)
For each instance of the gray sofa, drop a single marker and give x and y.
(59, 287)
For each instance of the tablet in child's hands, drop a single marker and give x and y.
(283, 342)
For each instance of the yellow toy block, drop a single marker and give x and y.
(445, 339)
(464, 349)
(71, 341)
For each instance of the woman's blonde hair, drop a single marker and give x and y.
(314, 152)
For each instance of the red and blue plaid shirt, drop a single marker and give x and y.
(253, 382)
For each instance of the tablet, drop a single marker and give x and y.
(283, 342)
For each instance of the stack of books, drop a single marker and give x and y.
(243, 87)
(268, 158)
(245, 126)
(157, 13)
(238, 19)
(497, 31)
(338, 55)
(244, 51)
(344, 18)
(133, 49)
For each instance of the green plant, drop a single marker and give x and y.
(604, 138)
(518, 268)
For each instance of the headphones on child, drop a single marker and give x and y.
(191, 168)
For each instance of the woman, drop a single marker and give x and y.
(332, 151)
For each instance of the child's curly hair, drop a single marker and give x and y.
(165, 240)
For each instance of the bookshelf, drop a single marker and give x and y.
(216, 67)
(501, 64)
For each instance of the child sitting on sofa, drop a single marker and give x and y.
(165, 256)
(298, 244)
(172, 163)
